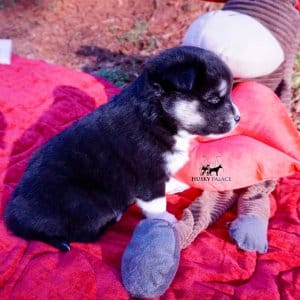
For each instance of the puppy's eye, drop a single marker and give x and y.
(214, 100)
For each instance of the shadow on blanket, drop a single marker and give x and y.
(49, 99)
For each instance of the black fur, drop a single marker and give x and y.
(82, 179)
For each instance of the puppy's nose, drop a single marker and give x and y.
(237, 118)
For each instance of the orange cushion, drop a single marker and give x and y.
(265, 145)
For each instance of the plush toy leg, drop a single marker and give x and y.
(249, 230)
(201, 213)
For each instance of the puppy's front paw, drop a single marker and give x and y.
(174, 186)
(169, 217)
(164, 216)
(250, 233)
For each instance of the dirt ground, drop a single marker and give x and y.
(110, 38)
(55, 30)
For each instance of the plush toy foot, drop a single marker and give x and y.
(151, 259)
(250, 233)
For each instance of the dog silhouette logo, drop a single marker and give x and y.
(207, 169)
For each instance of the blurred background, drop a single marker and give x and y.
(109, 38)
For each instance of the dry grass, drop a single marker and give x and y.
(296, 92)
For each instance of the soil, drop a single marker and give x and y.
(110, 38)
(105, 32)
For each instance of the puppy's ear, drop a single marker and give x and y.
(178, 78)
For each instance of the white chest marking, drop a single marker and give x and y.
(179, 155)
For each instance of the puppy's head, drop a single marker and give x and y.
(193, 86)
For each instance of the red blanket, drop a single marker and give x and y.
(37, 100)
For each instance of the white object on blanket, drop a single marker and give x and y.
(249, 49)
(5, 51)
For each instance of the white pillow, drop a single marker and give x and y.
(248, 48)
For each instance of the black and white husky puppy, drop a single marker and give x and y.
(123, 152)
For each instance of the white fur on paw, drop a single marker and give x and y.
(174, 186)
(165, 216)
(119, 217)
(250, 233)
